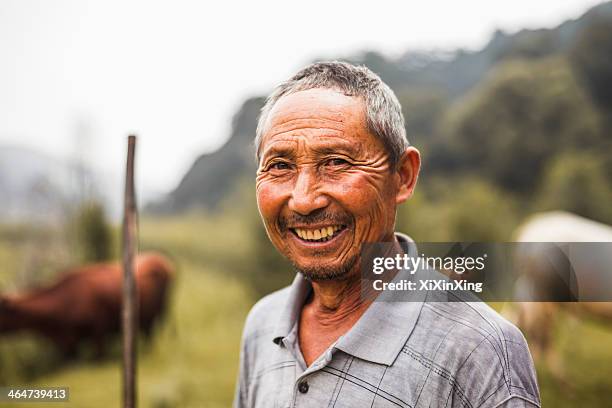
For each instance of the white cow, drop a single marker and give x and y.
(590, 277)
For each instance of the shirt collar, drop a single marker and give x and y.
(298, 292)
(378, 336)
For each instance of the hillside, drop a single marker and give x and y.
(212, 176)
(440, 79)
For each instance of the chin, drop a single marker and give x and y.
(317, 272)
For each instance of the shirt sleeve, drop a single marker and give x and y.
(502, 373)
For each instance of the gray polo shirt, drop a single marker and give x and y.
(399, 354)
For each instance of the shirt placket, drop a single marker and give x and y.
(301, 386)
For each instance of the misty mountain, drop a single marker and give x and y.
(451, 74)
(213, 175)
(38, 187)
(457, 72)
(34, 186)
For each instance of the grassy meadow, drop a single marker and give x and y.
(192, 360)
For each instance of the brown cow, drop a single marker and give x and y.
(85, 304)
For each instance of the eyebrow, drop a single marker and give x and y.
(349, 148)
(279, 150)
(288, 151)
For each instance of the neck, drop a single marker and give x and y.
(335, 301)
(338, 301)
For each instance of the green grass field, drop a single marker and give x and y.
(192, 360)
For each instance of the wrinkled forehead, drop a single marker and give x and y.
(318, 114)
(327, 104)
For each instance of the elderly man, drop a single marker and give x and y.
(334, 164)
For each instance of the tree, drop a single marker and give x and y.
(521, 116)
(93, 233)
(591, 58)
(578, 182)
(459, 209)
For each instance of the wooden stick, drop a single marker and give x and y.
(129, 310)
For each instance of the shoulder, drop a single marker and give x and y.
(265, 314)
(475, 320)
(257, 348)
(486, 355)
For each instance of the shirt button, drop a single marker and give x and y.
(303, 387)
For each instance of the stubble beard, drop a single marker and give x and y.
(321, 273)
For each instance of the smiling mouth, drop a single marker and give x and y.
(318, 234)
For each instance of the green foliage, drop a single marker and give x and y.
(422, 109)
(459, 210)
(578, 182)
(31, 255)
(93, 234)
(584, 352)
(591, 57)
(270, 271)
(24, 358)
(521, 116)
(219, 242)
(531, 44)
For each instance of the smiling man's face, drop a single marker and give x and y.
(324, 183)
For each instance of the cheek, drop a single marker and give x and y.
(364, 194)
(270, 198)
(369, 198)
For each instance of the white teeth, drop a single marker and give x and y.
(323, 234)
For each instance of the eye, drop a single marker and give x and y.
(279, 166)
(337, 161)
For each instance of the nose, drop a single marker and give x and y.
(306, 196)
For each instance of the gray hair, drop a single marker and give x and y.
(383, 111)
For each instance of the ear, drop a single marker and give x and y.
(408, 171)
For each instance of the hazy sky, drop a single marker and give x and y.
(174, 72)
